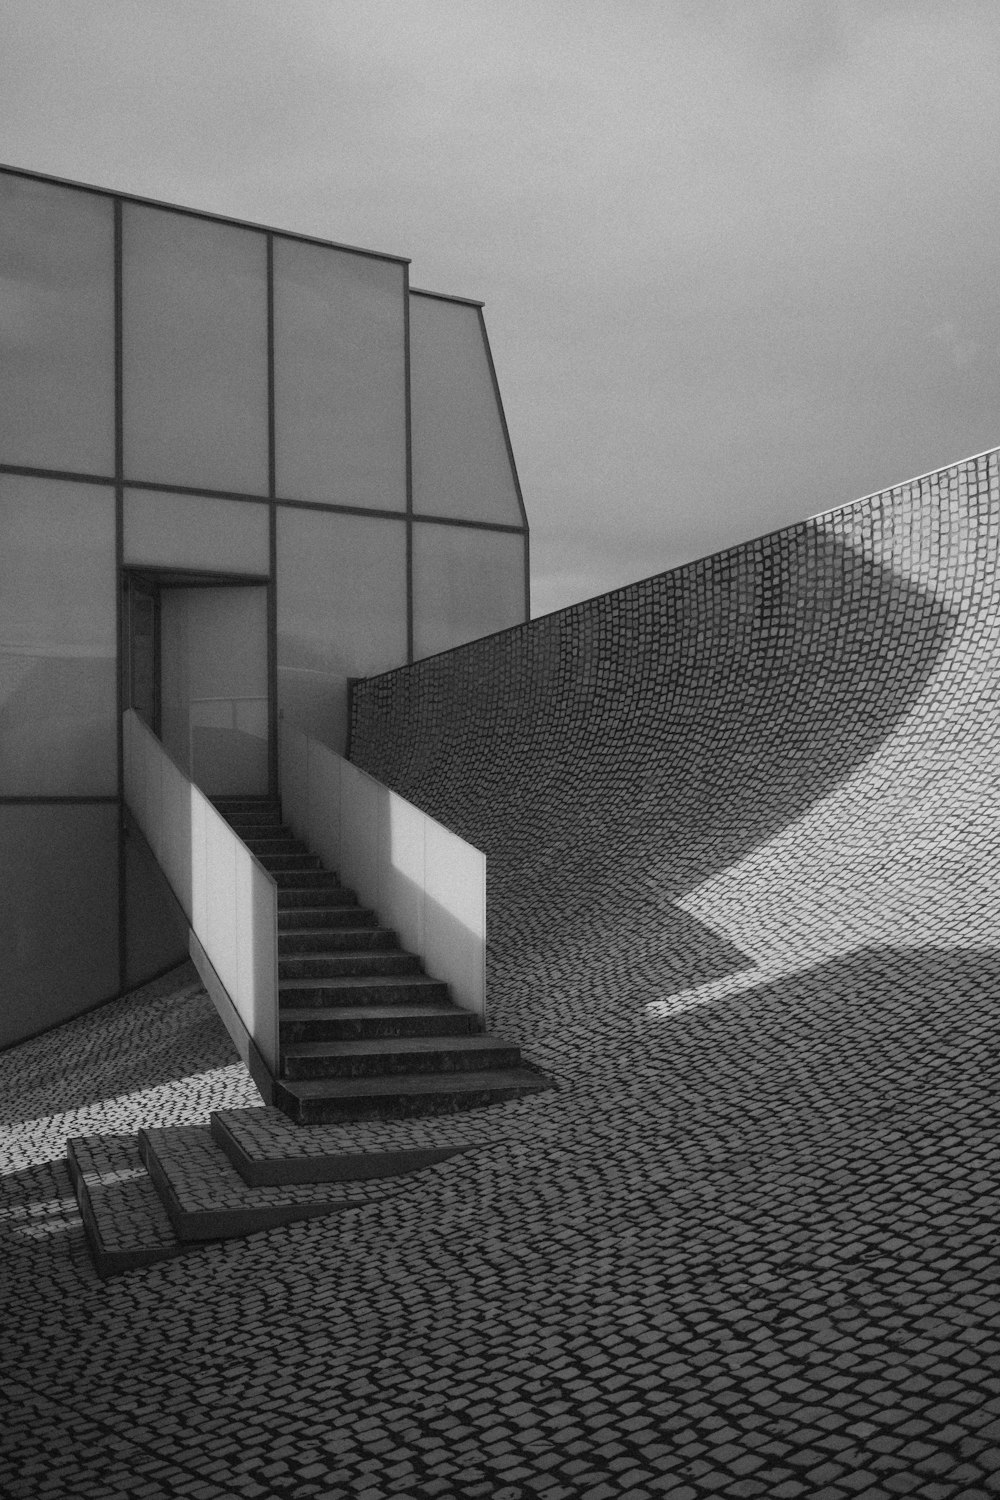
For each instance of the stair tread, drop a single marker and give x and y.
(344, 955)
(362, 982)
(374, 1012)
(413, 1083)
(379, 1046)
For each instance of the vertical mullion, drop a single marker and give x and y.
(272, 511)
(120, 623)
(409, 465)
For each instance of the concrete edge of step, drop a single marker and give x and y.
(333, 1166)
(199, 1225)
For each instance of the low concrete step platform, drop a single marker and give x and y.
(390, 1056)
(124, 1219)
(313, 1101)
(267, 1149)
(334, 964)
(206, 1198)
(362, 989)
(346, 1022)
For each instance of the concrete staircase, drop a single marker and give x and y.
(364, 1032)
(376, 1062)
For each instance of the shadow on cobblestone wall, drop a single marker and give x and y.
(782, 752)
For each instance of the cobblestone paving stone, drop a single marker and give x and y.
(755, 1254)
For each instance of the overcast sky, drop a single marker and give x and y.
(739, 257)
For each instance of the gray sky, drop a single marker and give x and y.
(739, 256)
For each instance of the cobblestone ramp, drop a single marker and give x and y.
(726, 775)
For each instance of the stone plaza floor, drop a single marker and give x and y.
(747, 1247)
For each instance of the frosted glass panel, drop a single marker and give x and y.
(461, 466)
(340, 376)
(195, 531)
(156, 930)
(195, 351)
(57, 341)
(466, 583)
(57, 638)
(341, 612)
(59, 915)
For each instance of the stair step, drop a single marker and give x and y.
(358, 989)
(299, 940)
(124, 1220)
(388, 1056)
(298, 915)
(304, 863)
(206, 1198)
(295, 890)
(247, 810)
(267, 1149)
(278, 845)
(312, 879)
(313, 1101)
(355, 1023)
(333, 965)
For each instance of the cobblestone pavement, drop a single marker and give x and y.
(747, 1249)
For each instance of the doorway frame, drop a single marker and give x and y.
(155, 578)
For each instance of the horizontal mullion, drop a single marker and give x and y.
(508, 527)
(45, 799)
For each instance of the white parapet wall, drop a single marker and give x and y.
(424, 881)
(228, 897)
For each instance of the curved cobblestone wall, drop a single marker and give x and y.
(757, 771)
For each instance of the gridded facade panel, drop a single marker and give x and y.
(466, 583)
(59, 935)
(200, 532)
(57, 329)
(194, 328)
(339, 376)
(461, 461)
(341, 601)
(58, 704)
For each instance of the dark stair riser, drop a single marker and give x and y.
(306, 880)
(388, 1022)
(333, 965)
(279, 844)
(334, 939)
(402, 1062)
(400, 1106)
(316, 898)
(282, 864)
(261, 818)
(323, 993)
(303, 914)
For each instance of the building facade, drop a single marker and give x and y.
(238, 468)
